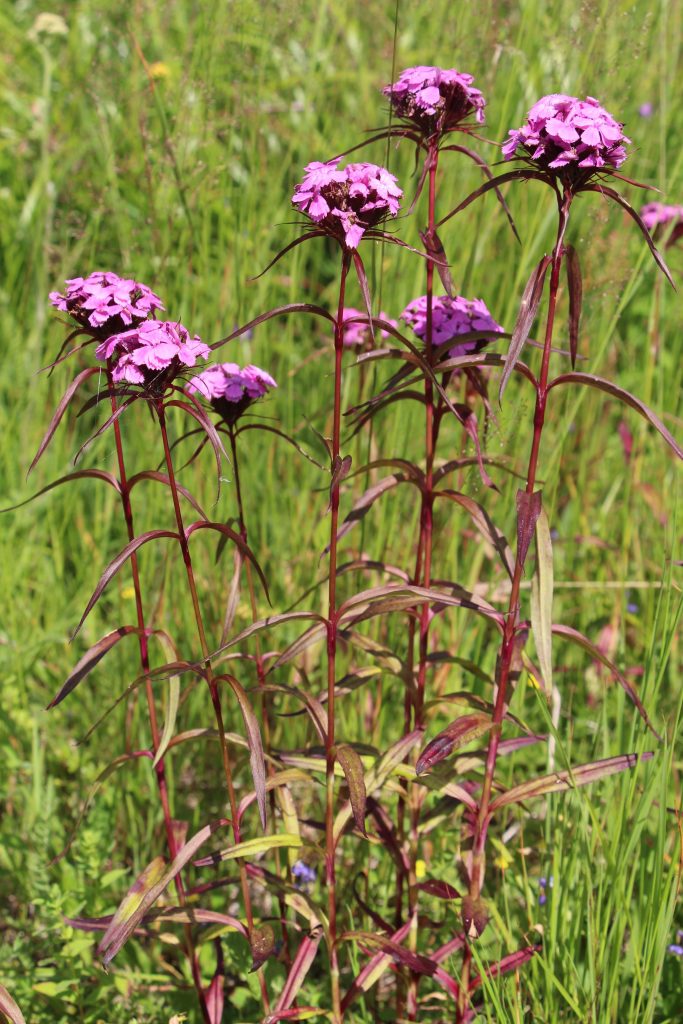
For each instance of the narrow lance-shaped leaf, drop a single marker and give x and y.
(172, 700)
(442, 890)
(528, 308)
(374, 968)
(194, 409)
(528, 510)
(365, 290)
(575, 287)
(509, 963)
(250, 847)
(115, 938)
(457, 734)
(435, 250)
(582, 641)
(80, 474)
(484, 524)
(61, 409)
(542, 599)
(300, 967)
(581, 775)
(256, 758)
(131, 902)
(363, 504)
(116, 564)
(354, 774)
(245, 550)
(611, 193)
(9, 1008)
(341, 467)
(292, 307)
(591, 381)
(215, 998)
(91, 658)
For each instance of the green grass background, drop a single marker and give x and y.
(186, 186)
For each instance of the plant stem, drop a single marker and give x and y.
(332, 650)
(159, 770)
(509, 641)
(209, 675)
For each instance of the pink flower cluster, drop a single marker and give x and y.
(152, 353)
(562, 130)
(231, 389)
(450, 318)
(357, 335)
(105, 298)
(435, 99)
(347, 202)
(660, 216)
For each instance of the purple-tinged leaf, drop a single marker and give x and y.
(359, 604)
(95, 474)
(578, 638)
(263, 946)
(258, 627)
(386, 831)
(172, 699)
(450, 365)
(283, 435)
(449, 948)
(162, 478)
(312, 705)
(131, 915)
(282, 778)
(245, 550)
(374, 969)
(294, 1013)
(591, 381)
(250, 847)
(611, 193)
(116, 564)
(311, 636)
(61, 409)
(134, 897)
(233, 596)
(457, 734)
(509, 963)
(105, 426)
(256, 758)
(91, 657)
(528, 308)
(300, 967)
(442, 890)
(474, 916)
(352, 766)
(341, 467)
(542, 599)
(484, 525)
(575, 287)
(521, 174)
(489, 175)
(581, 775)
(292, 307)
(9, 1008)
(528, 510)
(283, 252)
(363, 504)
(413, 961)
(436, 252)
(215, 999)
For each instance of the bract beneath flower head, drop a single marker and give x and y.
(231, 389)
(106, 302)
(435, 99)
(357, 335)
(347, 202)
(152, 353)
(450, 318)
(563, 131)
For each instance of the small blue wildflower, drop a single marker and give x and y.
(543, 884)
(304, 874)
(633, 608)
(675, 948)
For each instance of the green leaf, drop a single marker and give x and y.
(261, 844)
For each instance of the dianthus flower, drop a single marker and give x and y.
(347, 203)
(657, 217)
(357, 335)
(152, 353)
(435, 99)
(450, 317)
(231, 389)
(563, 131)
(105, 300)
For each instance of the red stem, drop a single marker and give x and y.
(159, 770)
(330, 875)
(507, 647)
(209, 674)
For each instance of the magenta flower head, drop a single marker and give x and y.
(565, 132)
(436, 100)
(152, 353)
(106, 303)
(660, 219)
(347, 203)
(357, 335)
(230, 389)
(451, 318)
